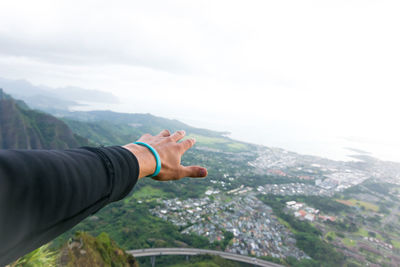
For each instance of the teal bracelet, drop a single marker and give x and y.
(158, 160)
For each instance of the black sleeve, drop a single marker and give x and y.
(43, 193)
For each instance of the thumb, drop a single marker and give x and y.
(193, 171)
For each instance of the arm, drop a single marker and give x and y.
(43, 193)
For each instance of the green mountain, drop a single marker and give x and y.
(80, 250)
(112, 128)
(145, 122)
(21, 127)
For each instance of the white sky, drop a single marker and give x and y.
(310, 68)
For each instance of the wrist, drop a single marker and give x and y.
(146, 159)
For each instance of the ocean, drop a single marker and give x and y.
(289, 135)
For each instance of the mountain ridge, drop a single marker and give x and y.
(23, 128)
(45, 97)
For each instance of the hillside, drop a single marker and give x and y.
(111, 128)
(21, 127)
(80, 250)
(86, 250)
(145, 122)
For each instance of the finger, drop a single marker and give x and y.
(188, 143)
(145, 136)
(193, 171)
(178, 135)
(164, 133)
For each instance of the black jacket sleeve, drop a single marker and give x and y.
(43, 193)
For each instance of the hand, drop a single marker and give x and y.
(170, 154)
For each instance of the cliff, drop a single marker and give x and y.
(24, 128)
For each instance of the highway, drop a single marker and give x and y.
(194, 251)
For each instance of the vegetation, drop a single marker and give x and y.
(146, 123)
(325, 204)
(307, 236)
(21, 128)
(222, 143)
(42, 256)
(349, 242)
(330, 236)
(381, 188)
(86, 250)
(104, 133)
(80, 250)
(132, 226)
(193, 261)
(146, 193)
(362, 232)
(358, 203)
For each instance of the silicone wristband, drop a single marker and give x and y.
(158, 160)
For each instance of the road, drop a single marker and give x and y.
(195, 251)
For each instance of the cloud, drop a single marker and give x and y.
(93, 33)
(64, 51)
(332, 65)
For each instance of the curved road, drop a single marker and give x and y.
(195, 251)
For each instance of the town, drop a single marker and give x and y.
(227, 206)
(328, 175)
(256, 231)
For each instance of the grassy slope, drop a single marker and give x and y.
(145, 193)
(98, 251)
(81, 250)
(358, 203)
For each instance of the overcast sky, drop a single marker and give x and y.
(326, 67)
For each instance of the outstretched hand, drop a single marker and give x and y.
(170, 152)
